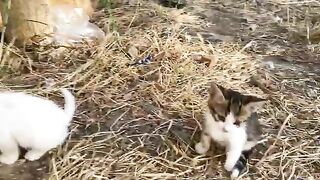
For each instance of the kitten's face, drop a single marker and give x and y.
(223, 102)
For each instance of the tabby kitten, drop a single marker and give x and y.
(231, 121)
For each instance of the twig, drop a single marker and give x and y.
(276, 140)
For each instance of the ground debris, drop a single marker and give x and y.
(142, 122)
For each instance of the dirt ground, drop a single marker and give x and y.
(141, 122)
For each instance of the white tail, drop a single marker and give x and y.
(70, 103)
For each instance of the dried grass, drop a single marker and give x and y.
(142, 122)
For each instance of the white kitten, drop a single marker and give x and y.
(33, 123)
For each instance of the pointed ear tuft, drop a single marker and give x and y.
(252, 103)
(216, 94)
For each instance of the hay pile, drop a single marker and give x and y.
(141, 122)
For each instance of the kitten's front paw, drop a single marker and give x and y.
(200, 149)
(235, 173)
(33, 155)
(8, 159)
(228, 166)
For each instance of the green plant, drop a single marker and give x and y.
(108, 5)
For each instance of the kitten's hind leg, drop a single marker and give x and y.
(9, 149)
(204, 144)
(34, 154)
(241, 164)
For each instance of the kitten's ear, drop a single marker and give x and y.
(216, 94)
(252, 103)
(217, 101)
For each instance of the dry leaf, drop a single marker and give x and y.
(142, 44)
(210, 61)
(133, 52)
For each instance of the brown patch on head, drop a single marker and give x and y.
(224, 101)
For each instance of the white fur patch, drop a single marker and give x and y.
(215, 129)
(32, 122)
(235, 173)
(200, 149)
(229, 122)
(233, 137)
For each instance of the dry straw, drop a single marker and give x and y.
(141, 122)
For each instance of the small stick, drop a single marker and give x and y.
(293, 171)
(254, 81)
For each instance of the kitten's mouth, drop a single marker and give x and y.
(236, 120)
(237, 123)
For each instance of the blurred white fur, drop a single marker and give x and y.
(32, 122)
